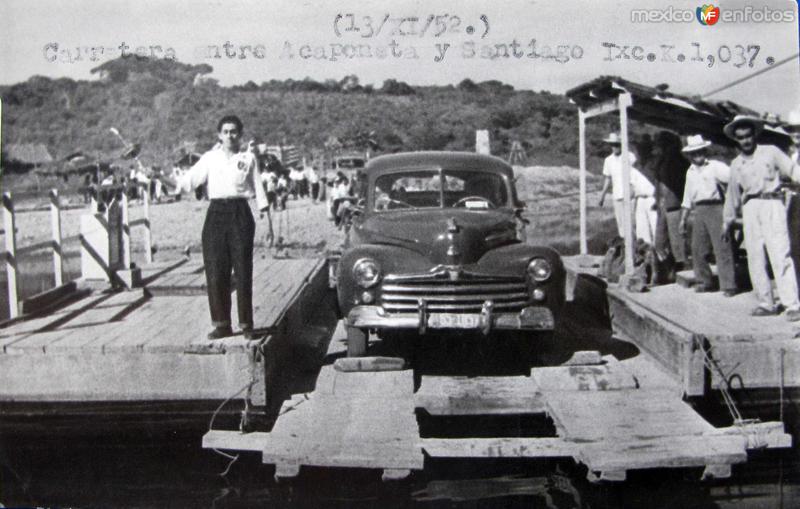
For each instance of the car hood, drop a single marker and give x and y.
(446, 236)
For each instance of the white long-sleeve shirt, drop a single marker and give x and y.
(703, 182)
(233, 176)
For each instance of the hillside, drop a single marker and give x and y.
(162, 104)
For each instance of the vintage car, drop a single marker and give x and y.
(436, 244)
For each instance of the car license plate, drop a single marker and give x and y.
(453, 321)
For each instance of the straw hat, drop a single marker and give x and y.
(738, 120)
(695, 142)
(613, 139)
(793, 121)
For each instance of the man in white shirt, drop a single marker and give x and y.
(612, 171)
(232, 178)
(755, 187)
(704, 194)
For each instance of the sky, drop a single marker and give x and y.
(559, 45)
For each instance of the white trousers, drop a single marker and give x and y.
(646, 219)
(643, 218)
(765, 227)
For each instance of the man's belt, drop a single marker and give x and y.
(708, 202)
(775, 195)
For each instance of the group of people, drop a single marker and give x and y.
(715, 194)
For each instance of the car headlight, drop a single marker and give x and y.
(539, 269)
(366, 272)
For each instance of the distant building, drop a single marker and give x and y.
(21, 157)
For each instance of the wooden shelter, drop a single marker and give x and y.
(655, 106)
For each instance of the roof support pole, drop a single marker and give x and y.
(582, 180)
(625, 101)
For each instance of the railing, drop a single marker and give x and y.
(13, 252)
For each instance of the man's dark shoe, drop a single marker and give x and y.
(759, 311)
(249, 333)
(220, 333)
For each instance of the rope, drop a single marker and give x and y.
(753, 75)
(232, 458)
(738, 421)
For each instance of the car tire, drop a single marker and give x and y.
(356, 341)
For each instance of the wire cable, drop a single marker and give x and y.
(750, 76)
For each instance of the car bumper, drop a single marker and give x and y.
(533, 318)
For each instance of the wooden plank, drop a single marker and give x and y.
(365, 385)
(122, 377)
(663, 452)
(23, 328)
(583, 378)
(623, 414)
(80, 327)
(235, 440)
(131, 338)
(340, 427)
(759, 435)
(183, 320)
(348, 432)
(507, 447)
(440, 395)
(97, 323)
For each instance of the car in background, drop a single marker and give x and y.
(437, 244)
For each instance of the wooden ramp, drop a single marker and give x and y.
(150, 343)
(604, 418)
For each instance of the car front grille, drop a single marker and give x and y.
(444, 294)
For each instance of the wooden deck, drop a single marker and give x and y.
(611, 416)
(703, 339)
(149, 343)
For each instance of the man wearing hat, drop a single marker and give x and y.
(704, 194)
(612, 171)
(755, 187)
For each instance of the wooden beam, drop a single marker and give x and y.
(55, 223)
(235, 440)
(11, 256)
(582, 181)
(479, 396)
(624, 102)
(607, 106)
(508, 447)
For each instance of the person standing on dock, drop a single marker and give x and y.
(670, 179)
(231, 178)
(704, 194)
(755, 187)
(612, 171)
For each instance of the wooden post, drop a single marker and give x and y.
(126, 233)
(148, 240)
(625, 101)
(11, 256)
(55, 224)
(582, 180)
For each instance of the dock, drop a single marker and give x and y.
(149, 343)
(611, 416)
(706, 341)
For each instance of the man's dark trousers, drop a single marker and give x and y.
(707, 233)
(228, 235)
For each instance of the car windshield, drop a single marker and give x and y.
(470, 189)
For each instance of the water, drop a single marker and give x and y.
(148, 471)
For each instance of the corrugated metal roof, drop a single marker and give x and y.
(680, 113)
